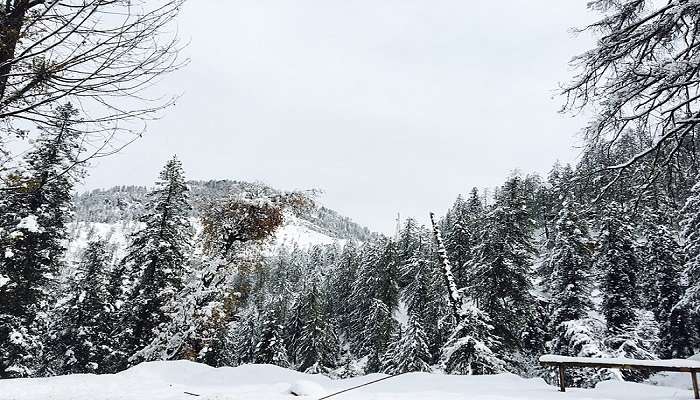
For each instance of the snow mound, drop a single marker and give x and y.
(180, 380)
(307, 388)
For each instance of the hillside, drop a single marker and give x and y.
(112, 214)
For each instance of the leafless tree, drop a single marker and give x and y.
(100, 55)
(643, 75)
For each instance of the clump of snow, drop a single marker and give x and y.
(16, 338)
(307, 388)
(4, 280)
(30, 223)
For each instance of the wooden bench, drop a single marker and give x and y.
(563, 362)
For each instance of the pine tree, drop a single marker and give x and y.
(458, 239)
(691, 248)
(469, 348)
(424, 292)
(375, 297)
(503, 261)
(270, 348)
(340, 297)
(582, 338)
(571, 277)
(552, 198)
(82, 337)
(466, 216)
(630, 331)
(245, 334)
(197, 321)
(378, 329)
(617, 263)
(663, 261)
(408, 239)
(468, 351)
(34, 209)
(410, 353)
(157, 255)
(476, 215)
(571, 264)
(317, 345)
(349, 368)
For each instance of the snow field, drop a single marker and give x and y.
(170, 380)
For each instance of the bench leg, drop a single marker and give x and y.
(562, 387)
(695, 384)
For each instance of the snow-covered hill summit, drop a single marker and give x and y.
(112, 214)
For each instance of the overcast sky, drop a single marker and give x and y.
(387, 106)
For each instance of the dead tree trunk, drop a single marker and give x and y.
(454, 297)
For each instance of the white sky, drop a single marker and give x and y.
(387, 106)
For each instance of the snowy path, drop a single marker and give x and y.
(169, 381)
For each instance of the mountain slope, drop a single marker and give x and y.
(112, 215)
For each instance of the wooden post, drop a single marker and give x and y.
(695, 384)
(562, 387)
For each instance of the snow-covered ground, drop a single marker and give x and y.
(183, 380)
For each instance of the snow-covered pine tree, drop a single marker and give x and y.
(458, 240)
(410, 353)
(375, 296)
(81, 338)
(475, 219)
(317, 346)
(584, 339)
(378, 330)
(293, 327)
(630, 331)
(349, 369)
(468, 351)
(388, 358)
(571, 264)
(664, 260)
(617, 263)
(424, 294)
(552, 196)
(691, 248)
(464, 234)
(244, 336)
(156, 257)
(408, 239)
(34, 208)
(502, 285)
(340, 297)
(270, 348)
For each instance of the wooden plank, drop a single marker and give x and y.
(562, 385)
(695, 384)
(618, 366)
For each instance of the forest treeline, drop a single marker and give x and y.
(538, 266)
